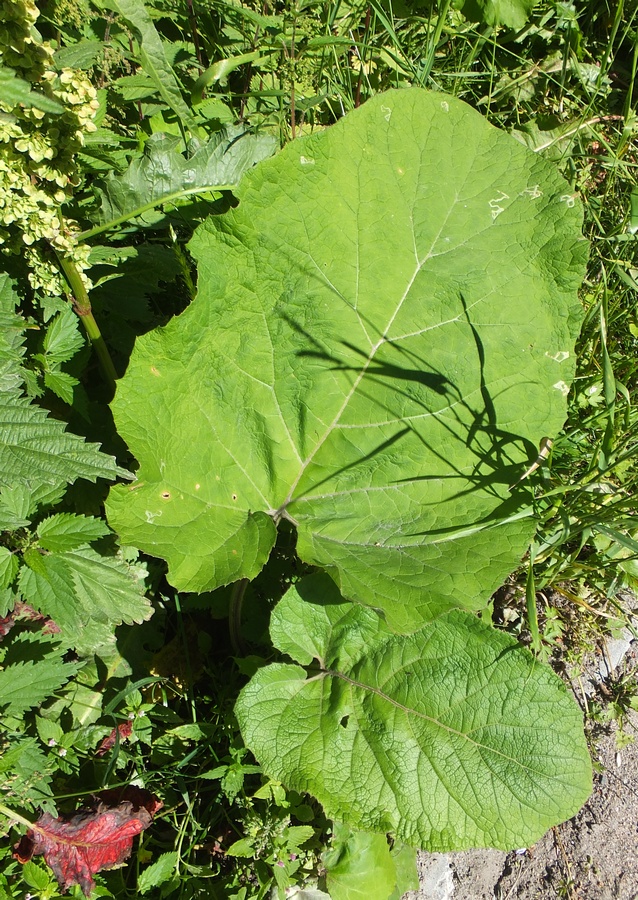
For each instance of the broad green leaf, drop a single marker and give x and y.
(359, 866)
(65, 531)
(164, 175)
(79, 589)
(513, 13)
(383, 334)
(157, 873)
(15, 91)
(152, 56)
(452, 737)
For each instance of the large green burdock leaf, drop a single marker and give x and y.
(450, 738)
(383, 334)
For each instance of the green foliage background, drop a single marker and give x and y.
(122, 128)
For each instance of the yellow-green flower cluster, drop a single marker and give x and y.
(38, 150)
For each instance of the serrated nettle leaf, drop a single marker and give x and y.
(28, 684)
(157, 873)
(9, 565)
(12, 328)
(452, 737)
(62, 385)
(65, 531)
(164, 174)
(375, 360)
(63, 339)
(80, 589)
(36, 450)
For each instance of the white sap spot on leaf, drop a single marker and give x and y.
(387, 112)
(197, 487)
(400, 170)
(569, 200)
(559, 357)
(306, 161)
(445, 106)
(562, 387)
(162, 465)
(155, 372)
(151, 515)
(532, 192)
(495, 204)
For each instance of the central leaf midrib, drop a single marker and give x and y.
(382, 340)
(408, 711)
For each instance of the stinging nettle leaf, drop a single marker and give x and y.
(65, 531)
(383, 334)
(452, 737)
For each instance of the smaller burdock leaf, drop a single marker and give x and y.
(450, 737)
(157, 873)
(96, 837)
(63, 339)
(61, 384)
(25, 685)
(9, 566)
(65, 531)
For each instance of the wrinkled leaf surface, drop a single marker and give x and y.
(453, 737)
(383, 334)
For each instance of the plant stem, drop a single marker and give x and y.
(14, 816)
(234, 616)
(82, 306)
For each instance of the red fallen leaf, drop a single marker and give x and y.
(93, 838)
(125, 730)
(24, 611)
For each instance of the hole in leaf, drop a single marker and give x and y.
(234, 496)
(344, 721)
(166, 495)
